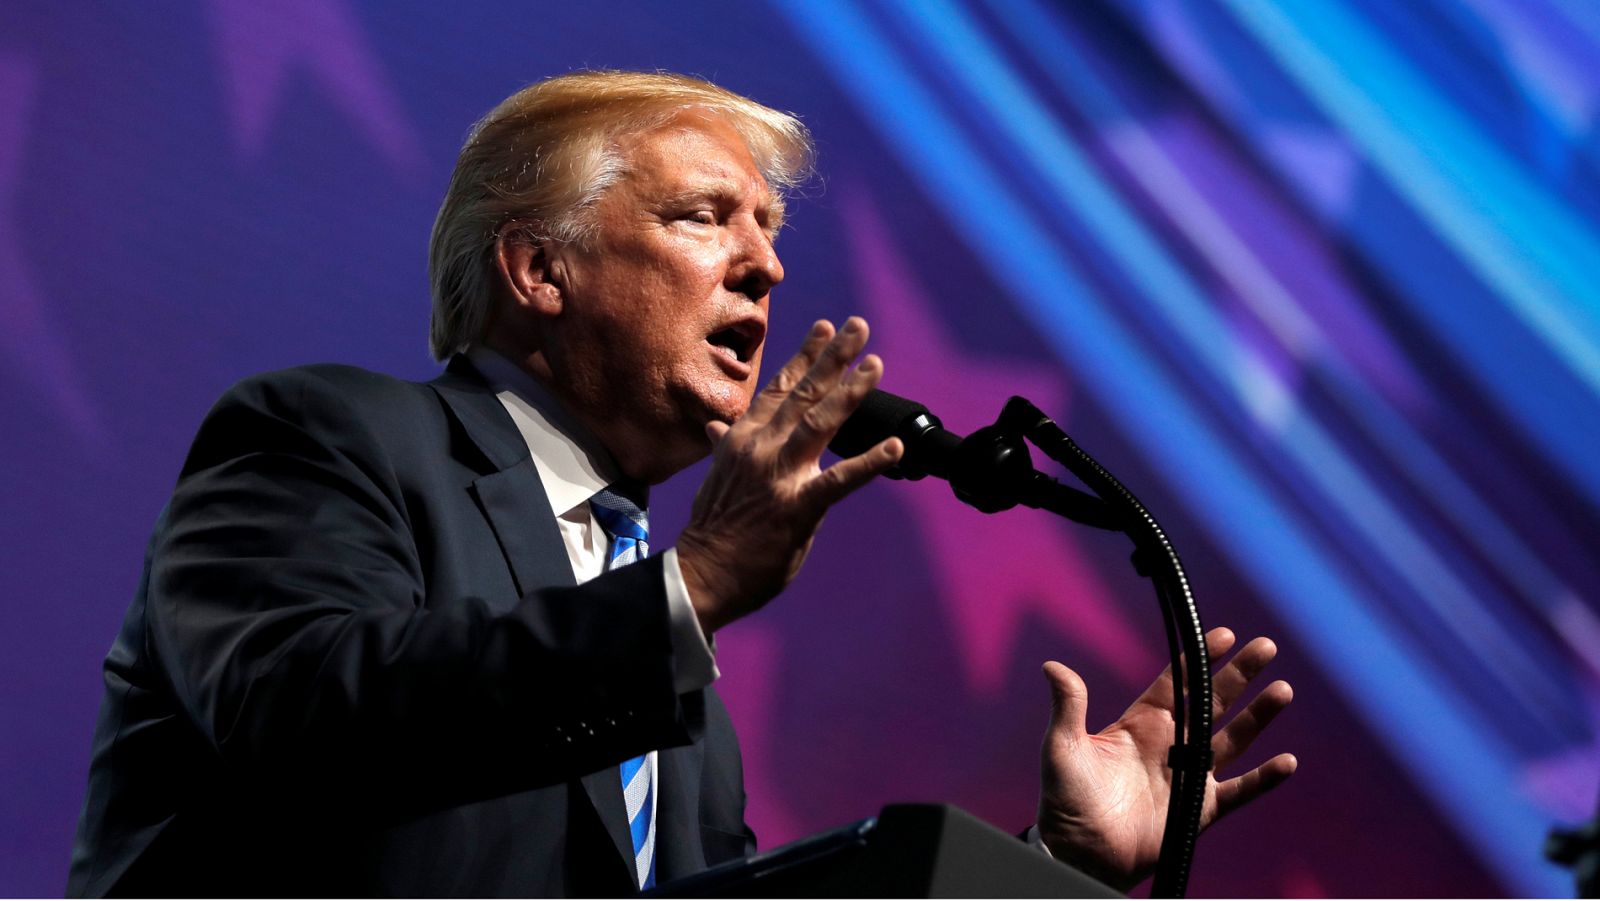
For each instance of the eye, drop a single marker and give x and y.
(701, 217)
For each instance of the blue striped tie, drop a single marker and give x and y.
(629, 528)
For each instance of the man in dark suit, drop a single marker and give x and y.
(385, 642)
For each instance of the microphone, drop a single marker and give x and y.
(989, 469)
(930, 447)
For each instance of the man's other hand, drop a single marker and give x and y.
(759, 508)
(1103, 803)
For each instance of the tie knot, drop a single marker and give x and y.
(620, 516)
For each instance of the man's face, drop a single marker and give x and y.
(664, 312)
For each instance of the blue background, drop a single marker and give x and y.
(1317, 278)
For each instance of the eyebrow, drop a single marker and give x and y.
(727, 195)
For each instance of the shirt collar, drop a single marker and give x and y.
(572, 465)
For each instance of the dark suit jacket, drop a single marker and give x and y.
(358, 664)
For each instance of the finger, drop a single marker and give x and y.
(1235, 738)
(1069, 703)
(818, 425)
(1230, 682)
(770, 397)
(1236, 793)
(843, 477)
(823, 376)
(1218, 641)
(715, 430)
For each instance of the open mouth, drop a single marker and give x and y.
(738, 341)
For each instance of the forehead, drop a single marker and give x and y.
(694, 151)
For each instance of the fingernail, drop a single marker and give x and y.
(819, 328)
(853, 325)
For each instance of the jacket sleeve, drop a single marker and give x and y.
(287, 608)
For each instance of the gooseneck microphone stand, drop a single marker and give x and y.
(991, 470)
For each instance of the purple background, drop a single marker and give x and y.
(1317, 280)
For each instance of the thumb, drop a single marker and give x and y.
(715, 429)
(1069, 702)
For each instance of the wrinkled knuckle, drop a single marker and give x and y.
(807, 390)
(781, 384)
(738, 446)
(815, 420)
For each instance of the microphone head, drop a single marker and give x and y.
(884, 415)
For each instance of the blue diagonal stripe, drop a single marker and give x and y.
(1406, 703)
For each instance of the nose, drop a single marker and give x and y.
(756, 268)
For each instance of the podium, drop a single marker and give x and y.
(906, 851)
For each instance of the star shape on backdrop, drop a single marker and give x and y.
(1298, 879)
(1547, 69)
(35, 348)
(1171, 23)
(1320, 160)
(997, 575)
(259, 45)
(1566, 783)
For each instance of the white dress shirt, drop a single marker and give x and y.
(573, 468)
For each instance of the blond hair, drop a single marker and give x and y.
(539, 162)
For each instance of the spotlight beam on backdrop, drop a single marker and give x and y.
(1390, 683)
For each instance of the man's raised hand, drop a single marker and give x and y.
(1103, 802)
(759, 508)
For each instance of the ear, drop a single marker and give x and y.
(523, 264)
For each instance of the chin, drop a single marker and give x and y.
(726, 403)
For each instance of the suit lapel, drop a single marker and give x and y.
(510, 494)
(481, 414)
(514, 502)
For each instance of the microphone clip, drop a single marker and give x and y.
(992, 470)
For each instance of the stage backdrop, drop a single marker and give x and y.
(1320, 279)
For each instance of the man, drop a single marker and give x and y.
(387, 642)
